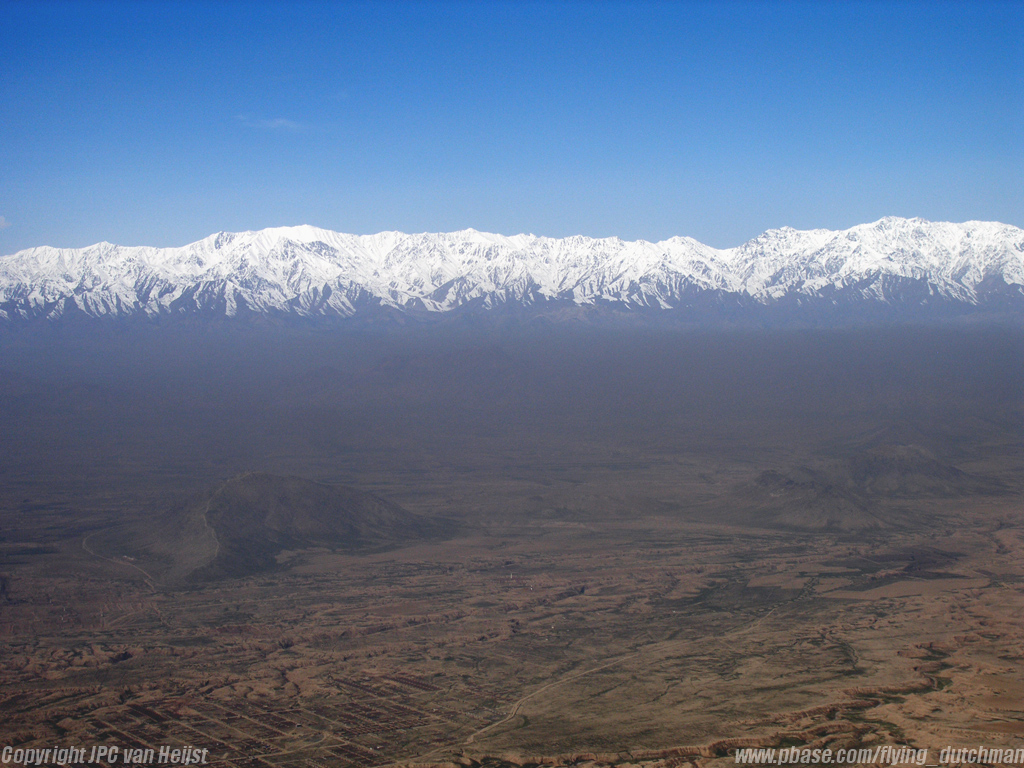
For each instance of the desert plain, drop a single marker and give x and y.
(606, 548)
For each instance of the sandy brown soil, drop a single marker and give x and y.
(614, 638)
(665, 548)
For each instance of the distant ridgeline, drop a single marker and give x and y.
(892, 268)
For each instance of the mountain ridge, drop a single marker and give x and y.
(306, 271)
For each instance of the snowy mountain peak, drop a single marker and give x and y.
(307, 271)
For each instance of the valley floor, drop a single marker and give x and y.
(662, 547)
(651, 642)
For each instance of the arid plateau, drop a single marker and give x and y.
(520, 546)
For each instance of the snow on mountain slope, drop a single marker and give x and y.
(307, 271)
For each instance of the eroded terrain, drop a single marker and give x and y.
(656, 594)
(553, 638)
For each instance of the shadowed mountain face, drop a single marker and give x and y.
(245, 524)
(861, 492)
(905, 471)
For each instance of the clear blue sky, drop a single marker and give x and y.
(153, 123)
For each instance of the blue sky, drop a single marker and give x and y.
(153, 123)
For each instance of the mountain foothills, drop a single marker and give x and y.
(306, 272)
(243, 525)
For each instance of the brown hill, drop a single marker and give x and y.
(871, 489)
(241, 527)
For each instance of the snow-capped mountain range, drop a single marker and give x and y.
(309, 272)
